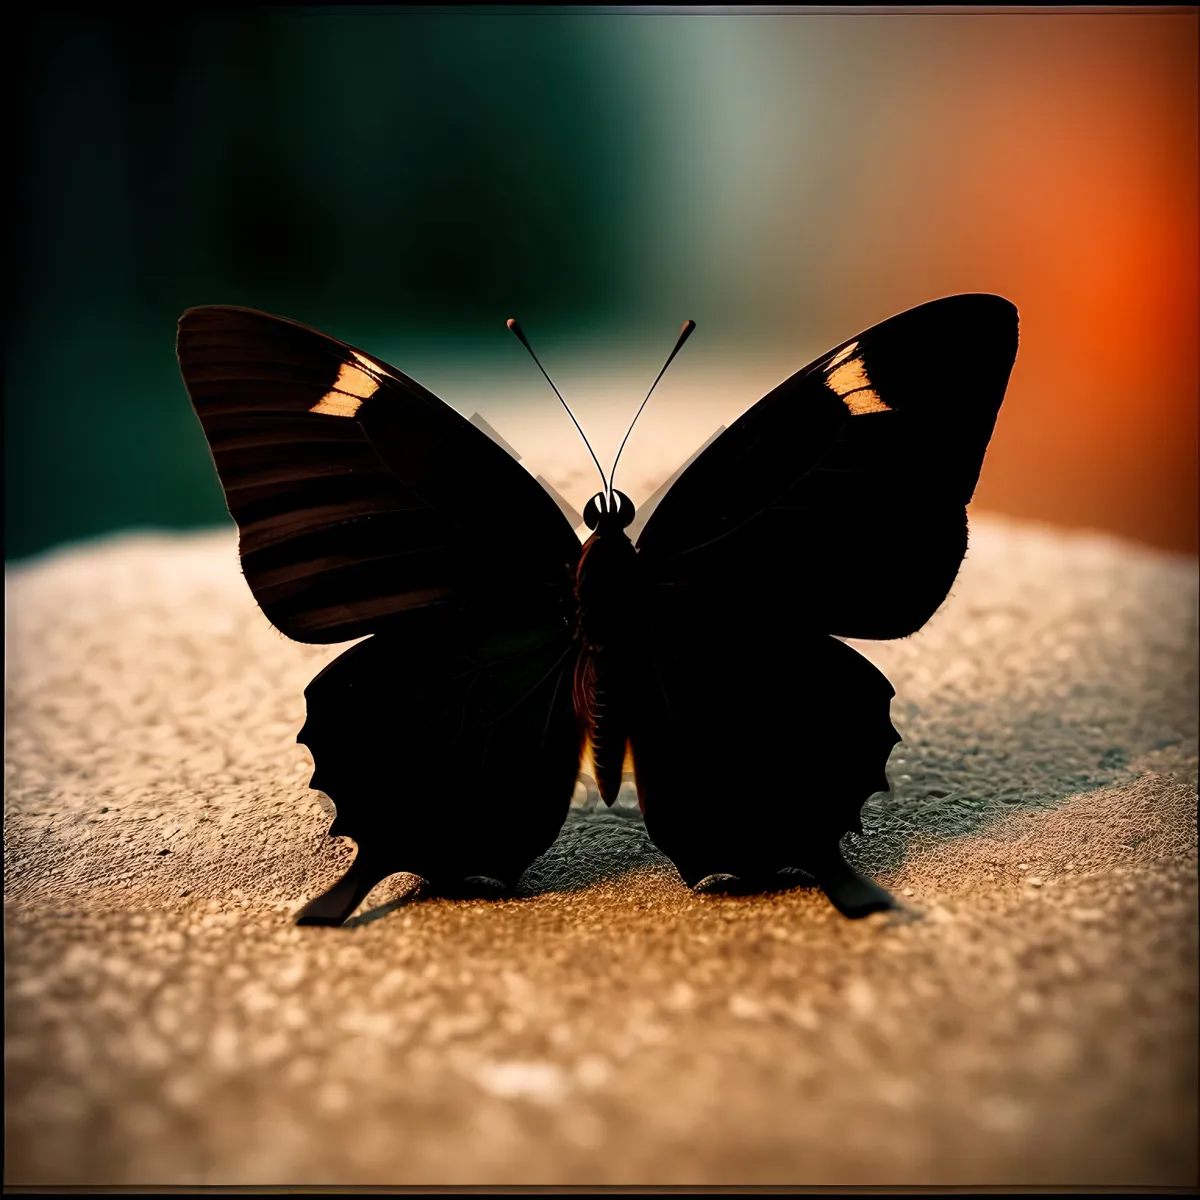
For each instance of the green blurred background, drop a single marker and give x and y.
(407, 179)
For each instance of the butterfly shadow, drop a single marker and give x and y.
(598, 845)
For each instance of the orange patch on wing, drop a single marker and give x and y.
(847, 378)
(355, 383)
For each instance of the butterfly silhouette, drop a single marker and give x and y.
(450, 739)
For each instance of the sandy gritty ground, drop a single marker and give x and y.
(1031, 1019)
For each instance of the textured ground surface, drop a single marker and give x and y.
(1031, 1021)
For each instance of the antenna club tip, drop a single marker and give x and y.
(688, 326)
(511, 323)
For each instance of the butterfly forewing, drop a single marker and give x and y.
(358, 494)
(837, 503)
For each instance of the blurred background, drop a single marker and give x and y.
(406, 180)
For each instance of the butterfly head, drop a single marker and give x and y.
(604, 513)
(610, 509)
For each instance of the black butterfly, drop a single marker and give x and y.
(450, 740)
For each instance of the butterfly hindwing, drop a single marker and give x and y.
(448, 741)
(449, 754)
(753, 756)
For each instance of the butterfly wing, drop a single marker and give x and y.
(359, 496)
(451, 752)
(836, 505)
(752, 755)
(367, 506)
(838, 502)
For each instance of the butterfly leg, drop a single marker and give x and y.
(851, 893)
(744, 883)
(334, 906)
(473, 887)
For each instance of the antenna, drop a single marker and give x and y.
(684, 334)
(520, 335)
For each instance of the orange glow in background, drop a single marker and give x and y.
(1052, 159)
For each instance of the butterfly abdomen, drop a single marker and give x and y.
(602, 704)
(608, 591)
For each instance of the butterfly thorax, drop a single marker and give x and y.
(608, 591)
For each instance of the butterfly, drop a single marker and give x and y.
(497, 648)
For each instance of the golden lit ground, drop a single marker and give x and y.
(1031, 1019)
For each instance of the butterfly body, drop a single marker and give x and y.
(450, 739)
(610, 596)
